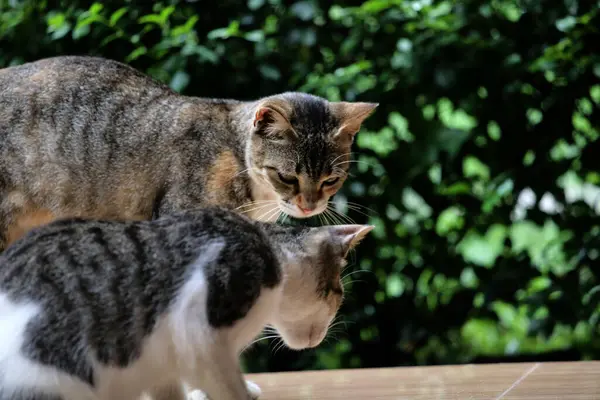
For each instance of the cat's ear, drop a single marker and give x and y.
(351, 116)
(349, 236)
(271, 120)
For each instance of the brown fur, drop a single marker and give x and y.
(220, 175)
(90, 137)
(27, 220)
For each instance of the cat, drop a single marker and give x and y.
(91, 137)
(113, 310)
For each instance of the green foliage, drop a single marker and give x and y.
(478, 168)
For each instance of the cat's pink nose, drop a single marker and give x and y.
(307, 210)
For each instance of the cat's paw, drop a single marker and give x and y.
(253, 389)
(197, 395)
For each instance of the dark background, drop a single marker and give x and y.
(479, 168)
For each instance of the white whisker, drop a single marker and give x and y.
(269, 216)
(353, 208)
(345, 218)
(257, 208)
(351, 203)
(280, 346)
(340, 156)
(269, 211)
(333, 219)
(354, 272)
(254, 203)
(336, 220)
(242, 171)
(353, 162)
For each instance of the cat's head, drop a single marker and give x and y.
(312, 260)
(300, 148)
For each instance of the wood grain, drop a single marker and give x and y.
(524, 381)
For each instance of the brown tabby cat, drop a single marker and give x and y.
(91, 137)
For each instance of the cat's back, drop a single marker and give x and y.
(82, 72)
(73, 250)
(105, 286)
(68, 97)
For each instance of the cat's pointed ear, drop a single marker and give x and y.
(271, 120)
(350, 235)
(351, 116)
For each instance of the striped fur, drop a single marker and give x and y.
(94, 138)
(106, 310)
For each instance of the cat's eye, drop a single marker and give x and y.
(288, 180)
(332, 181)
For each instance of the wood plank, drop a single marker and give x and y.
(531, 381)
(557, 381)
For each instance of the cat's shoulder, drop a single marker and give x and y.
(215, 220)
(246, 262)
(247, 247)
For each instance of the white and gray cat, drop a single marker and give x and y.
(99, 310)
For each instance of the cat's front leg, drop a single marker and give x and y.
(219, 376)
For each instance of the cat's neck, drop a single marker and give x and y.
(263, 195)
(231, 134)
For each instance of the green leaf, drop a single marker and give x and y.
(400, 124)
(255, 4)
(534, 116)
(449, 220)
(474, 168)
(166, 13)
(96, 8)
(116, 16)
(224, 33)
(137, 53)
(587, 298)
(415, 203)
(80, 31)
(566, 24)
(255, 36)
(595, 93)
(455, 119)
(494, 131)
(539, 284)
(206, 54)
(394, 286)
(468, 278)
(483, 250)
(55, 20)
(110, 38)
(304, 10)
(150, 19)
(159, 19)
(529, 158)
(270, 72)
(58, 25)
(383, 142)
(179, 81)
(543, 245)
(511, 11)
(456, 189)
(185, 28)
(429, 112)
(506, 312)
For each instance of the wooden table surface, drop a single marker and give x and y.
(526, 381)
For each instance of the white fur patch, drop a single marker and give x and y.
(17, 371)
(176, 347)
